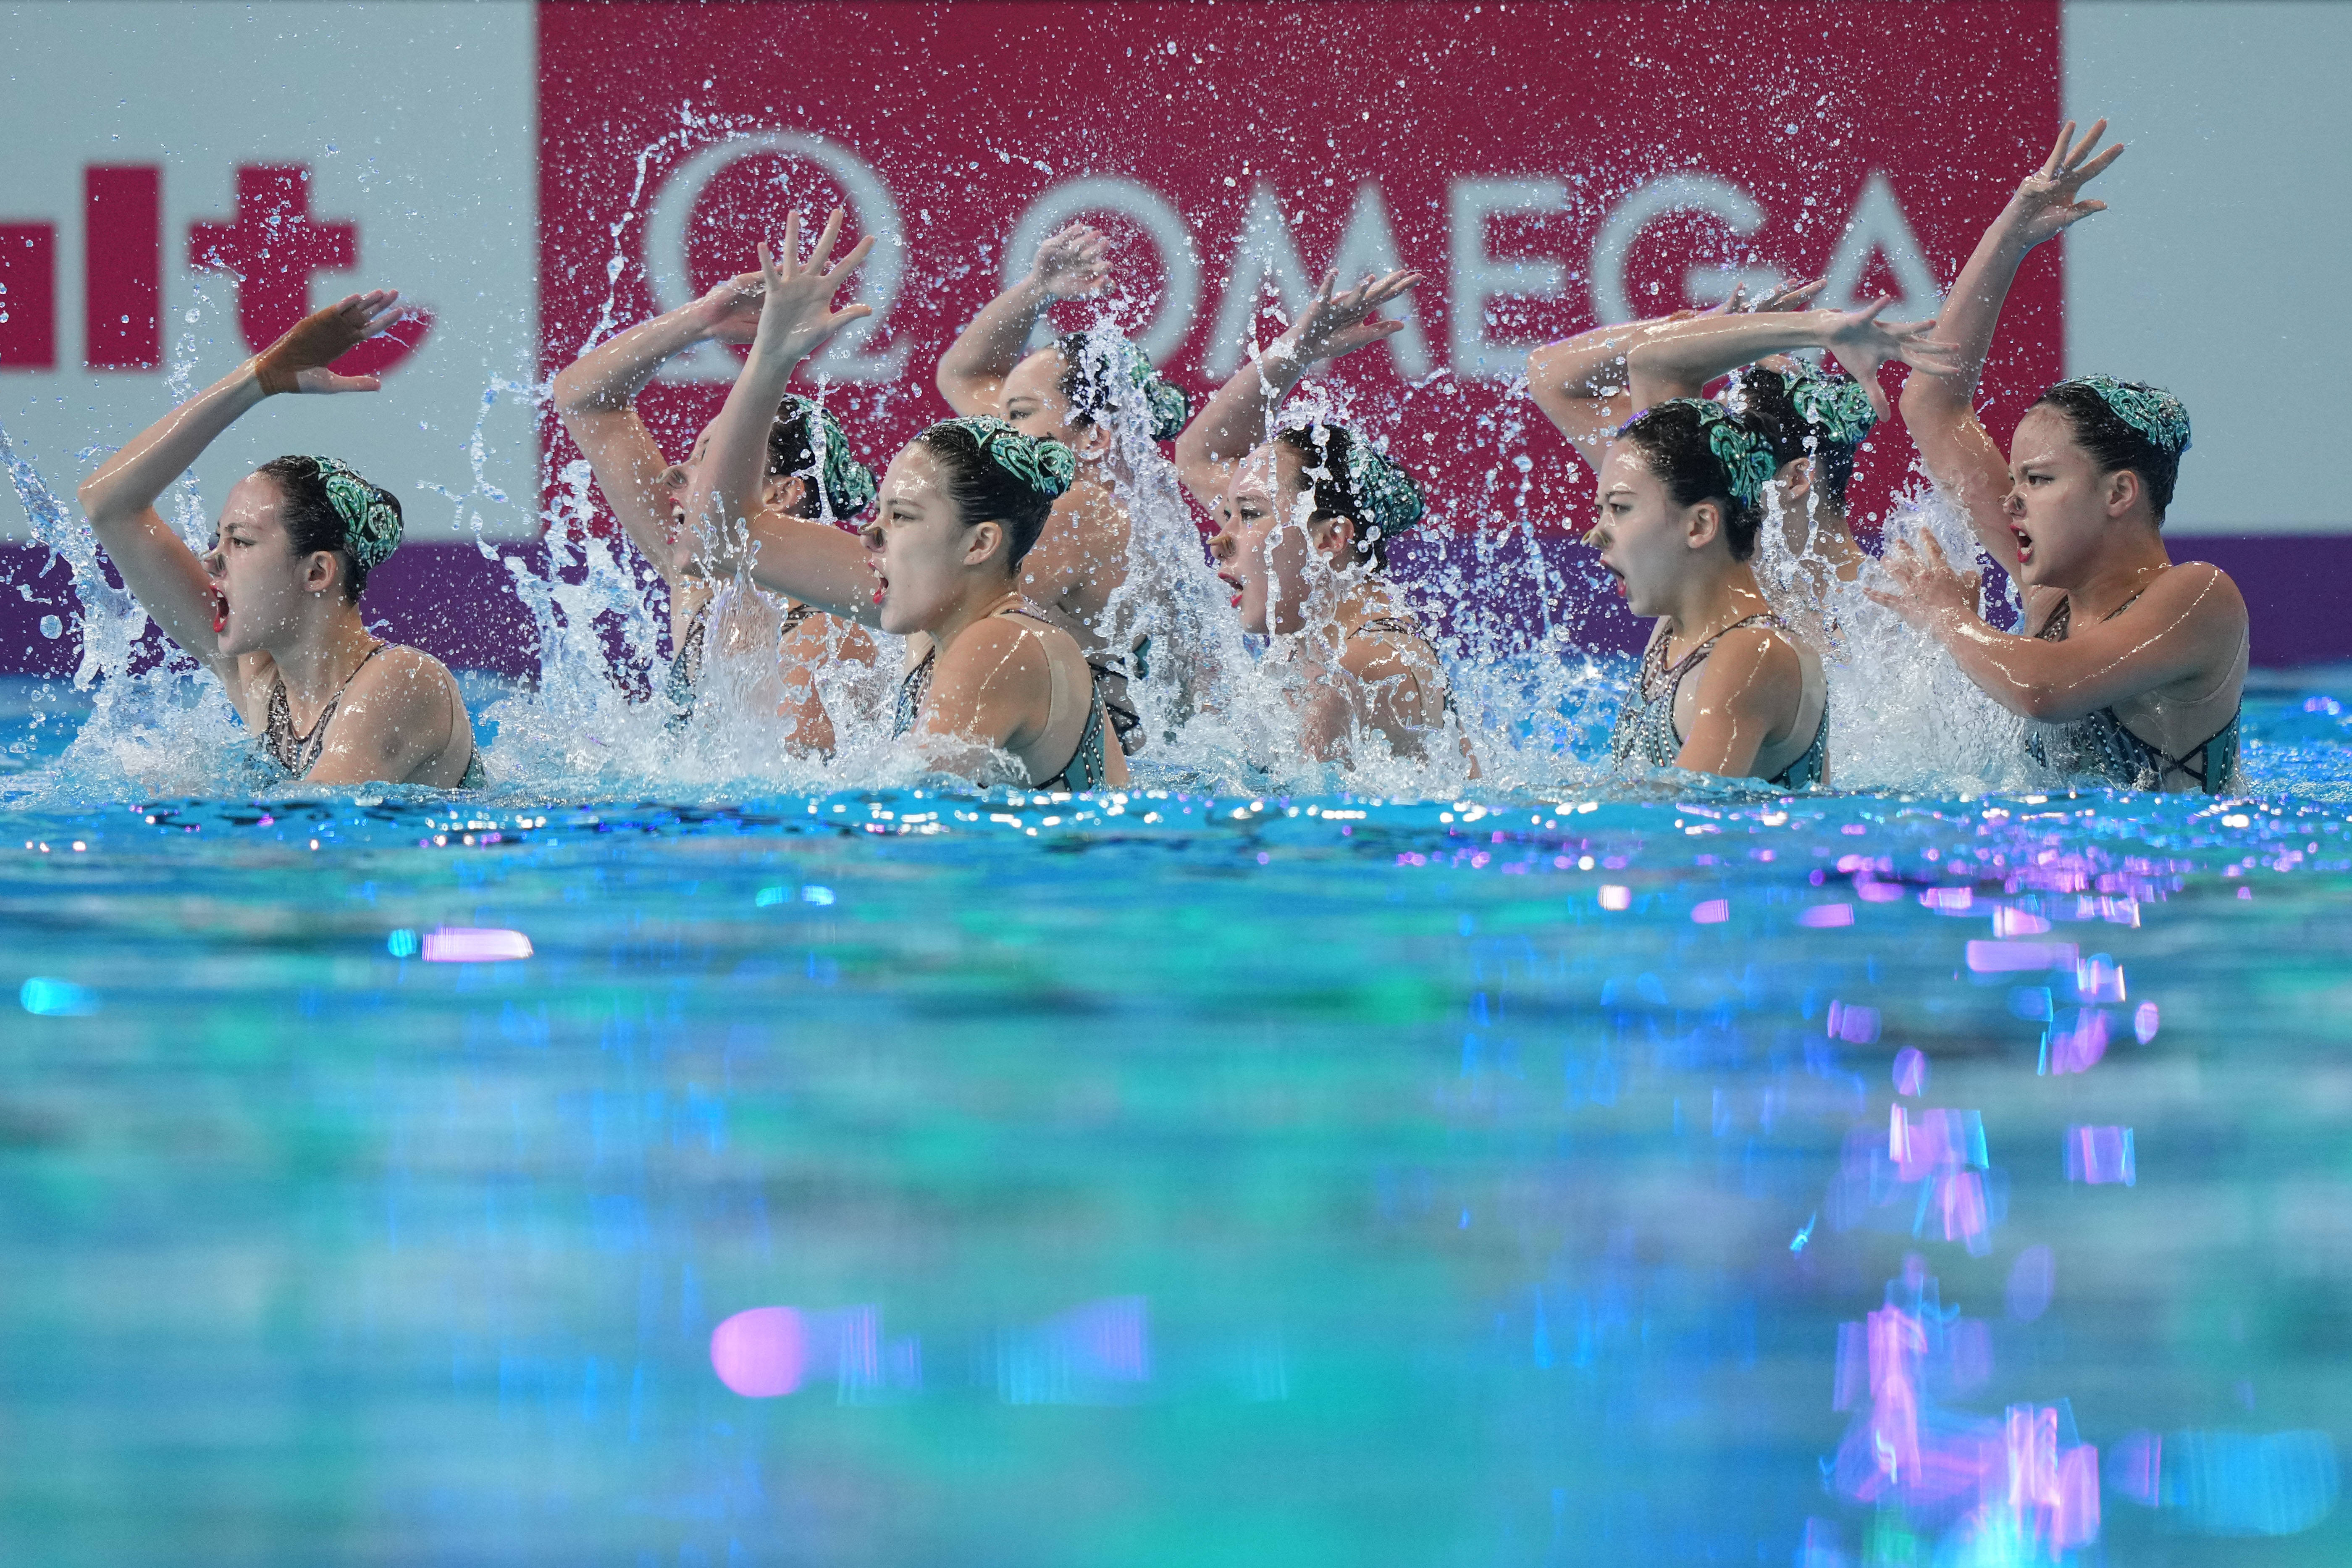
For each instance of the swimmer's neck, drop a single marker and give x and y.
(1711, 599)
(321, 656)
(980, 596)
(2118, 573)
(1368, 597)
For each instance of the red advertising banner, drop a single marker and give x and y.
(1545, 166)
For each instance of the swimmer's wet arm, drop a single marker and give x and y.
(1234, 421)
(1240, 416)
(392, 730)
(595, 397)
(162, 572)
(1069, 266)
(1752, 684)
(2190, 622)
(989, 695)
(1939, 403)
(808, 560)
(1584, 388)
(1678, 357)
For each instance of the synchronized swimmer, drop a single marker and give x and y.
(996, 541)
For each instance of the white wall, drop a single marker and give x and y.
(418, 122)
(2220, 269)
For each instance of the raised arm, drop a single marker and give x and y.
(1234, 421)
(808, 560)
(1069, 266)
(595, 397)
(1940, 406)
(1583, 387)
(161, 571)
(1678, 358)
(2189, 624)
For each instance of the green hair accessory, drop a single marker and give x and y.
(1108, 364)
(1745, 456)
(848, 484)
(1045, 466)
(1840, 410)
(2150, 410)
(370, 526)
(1382, 485)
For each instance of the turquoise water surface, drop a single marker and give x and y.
(1182, 1179)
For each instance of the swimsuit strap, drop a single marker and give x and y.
(914, 691)
(298, 754)
(2104, 744)
(2062, 619)
(1088, 758)
(1691, 660)
(1645, 724)
(686, 664)
(1406, 627)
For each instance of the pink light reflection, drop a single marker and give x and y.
(1826, 917)
(2078, 1047)
(1910, 1071)
(2018, 957)
(1711, 911)
(2100, 1156)
(467, 944)
(761, 1353)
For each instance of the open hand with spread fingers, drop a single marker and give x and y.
(2048, 202)
(1336, 323)
(796, 310)
(298, 361)
(1926, 588)
(1863, 344)
(1071, 262)
(729, 312)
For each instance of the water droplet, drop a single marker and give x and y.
(51, 626)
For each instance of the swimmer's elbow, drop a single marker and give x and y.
(2048, 702)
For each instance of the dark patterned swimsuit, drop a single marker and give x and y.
(2100, 746)
(686, 664)
(298, 754)
(1088, 767)
(1645, 725)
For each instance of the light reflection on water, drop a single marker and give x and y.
(1523, 1181)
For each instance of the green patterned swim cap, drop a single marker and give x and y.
(1745, 456)
(2150, 410)
(808, 441)
(1045, 466)
(370, 526)
(1106, 373)
(1381, 494)
(1839, 408)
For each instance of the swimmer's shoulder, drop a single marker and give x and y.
(411, 693)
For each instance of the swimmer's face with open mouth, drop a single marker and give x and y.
(919, 546)
(258, 582)
(2059, 505)
(1264, 547)
(1646, 540)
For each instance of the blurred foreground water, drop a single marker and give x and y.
(898, 1178)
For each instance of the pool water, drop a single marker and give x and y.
(1182, 1179)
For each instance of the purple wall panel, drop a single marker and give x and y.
(452, 601)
